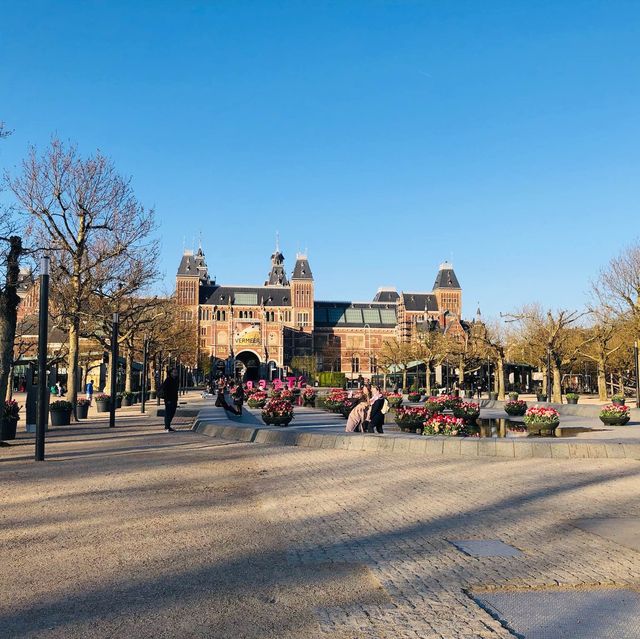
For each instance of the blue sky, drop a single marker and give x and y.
(384, 137)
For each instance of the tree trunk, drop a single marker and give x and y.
(153, 372)
(72, 366)
(544, 381)
(404, 379)
(461, 373)
(384, 382)
(556, 391)
(9, 301)
(10, 384)
(128, 383)
(500, 378)
(428, 379)
(602, 381)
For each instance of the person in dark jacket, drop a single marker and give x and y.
(170, 395)
(238, 398)
(376, 414)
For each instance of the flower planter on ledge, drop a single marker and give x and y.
(615, 421)
(8, 428)
(60, 417)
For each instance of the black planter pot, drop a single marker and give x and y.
(618, 402)
(493, 396)
(82, 412)
(615, 421)
(103, 407)
(127, 401)
(60, 417)
(152, 395)
(572, 401)
(8, 429)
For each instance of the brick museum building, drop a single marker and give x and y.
(261, 329)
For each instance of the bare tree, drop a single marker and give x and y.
(84, 213)
(549, 332)
(432, 347)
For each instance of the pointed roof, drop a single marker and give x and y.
(302, 270)
(277, 275)
(446, 278)
(385, 294)
(194, 265)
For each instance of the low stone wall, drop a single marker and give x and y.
(422, 445)
(579, 410)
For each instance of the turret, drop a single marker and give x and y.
(447, 290)
(302, 293)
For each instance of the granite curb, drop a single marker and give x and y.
(424, 445)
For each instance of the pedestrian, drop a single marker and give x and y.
(169, 393)
(357, 417)
(378, 407)
(238, 398)
(220, 403)
(89, 391)
(59, 389)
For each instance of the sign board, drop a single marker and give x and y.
(248, 336)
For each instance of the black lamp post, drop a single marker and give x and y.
(114, 370)
(43, 387)
(145, 365)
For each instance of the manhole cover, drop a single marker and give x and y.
(566, 614)
(486, 548)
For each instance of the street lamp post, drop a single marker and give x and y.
(114, 370)
(549, 375)
(145, 356)
(43, 328)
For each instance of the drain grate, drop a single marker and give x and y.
(566, 614)
(485, 548)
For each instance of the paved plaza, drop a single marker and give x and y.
(139, 533)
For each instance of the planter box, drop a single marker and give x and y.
(572, 400)
(82, 412)
(542, 427)
(615, 421)
(8, 429)
(60, 417)
(103, 407)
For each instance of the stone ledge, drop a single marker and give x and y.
(426, 446)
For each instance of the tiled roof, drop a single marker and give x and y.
(246, 295)
(420, 301)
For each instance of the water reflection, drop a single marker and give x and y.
(506, 428)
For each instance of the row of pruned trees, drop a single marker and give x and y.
(104, 248)
(601, 336)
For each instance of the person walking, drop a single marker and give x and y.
(378, 407)
(238, 398)
(169, 390)
(89, 391)
(357, 417)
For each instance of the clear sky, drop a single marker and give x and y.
(384, 137)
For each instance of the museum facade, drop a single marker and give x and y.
(259, 330)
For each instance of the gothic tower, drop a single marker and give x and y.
(302, 294)
(447, 290)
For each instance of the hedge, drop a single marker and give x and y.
(332, 380)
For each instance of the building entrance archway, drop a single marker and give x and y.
(248, 366)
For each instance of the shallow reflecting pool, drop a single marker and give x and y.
(501, 427)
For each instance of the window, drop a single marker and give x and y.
(371, 315)
(353, 315)
(355, 364)
(388, 316)
(336, 315)
(246, 299)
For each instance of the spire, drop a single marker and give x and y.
(277, 275)
(478, 318)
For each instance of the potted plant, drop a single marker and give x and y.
(118, 400)
(9, 424)
(493, 395)
(614, 415)
(277, 412)
(439, 424)
(572, 398)
(516, 408)
(618, 400)
(334, 400)
(103, 402)
(82, 408)
(411, 418)
(309, 396)
(540, 396)
(257, 399)
(468, 412)
(60, 412)
(127, 398)
(414, 396)
(541, 418)
(513, 396)
(394, 399)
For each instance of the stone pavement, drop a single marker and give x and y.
(139, 533)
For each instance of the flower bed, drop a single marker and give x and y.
(517, 407)
(411, 418)
(394, 399)
(539, 418)
(439, 424)
(277, 412)
(257, 399)
(309, 396)
(335, 399)
(467, 411)
(441, 403)
(614, 414)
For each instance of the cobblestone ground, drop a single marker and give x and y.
(397, 516)
(142, 534)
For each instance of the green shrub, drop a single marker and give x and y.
(332, 379)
